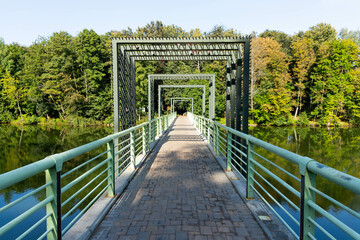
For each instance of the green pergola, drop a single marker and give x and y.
(234, 50)
(179, 77)
(180, 99)
(181, 86)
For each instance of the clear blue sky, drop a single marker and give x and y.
(24, 21)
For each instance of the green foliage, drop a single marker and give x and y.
(351, 35)
(303, 119)
(272, 100)
(281, 37)
(321, 33)
(334, 82)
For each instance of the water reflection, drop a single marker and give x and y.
(20, 146)
(335, 147)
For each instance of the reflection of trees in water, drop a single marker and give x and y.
(335, 147)
(37, 142)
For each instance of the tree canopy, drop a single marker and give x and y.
(312, 74)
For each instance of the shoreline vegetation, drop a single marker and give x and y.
(87, 122)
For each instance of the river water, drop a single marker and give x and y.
(338, 148)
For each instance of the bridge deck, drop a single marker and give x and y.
(180, 193)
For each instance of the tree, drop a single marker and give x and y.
(321, 33)
(59, 84)
(272, 101)
(353, 35)
(334, 75)
(13, 92)
(280, 37)
(303, 58)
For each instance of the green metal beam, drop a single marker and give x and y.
(180, 58)
(180, 40)
(181, 53)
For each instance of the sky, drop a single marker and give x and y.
(25, 21)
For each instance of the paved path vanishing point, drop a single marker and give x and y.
(180, 193)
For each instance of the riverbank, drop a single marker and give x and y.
(296, 123)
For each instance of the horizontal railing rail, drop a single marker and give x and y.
(261, 175)
(72, 192)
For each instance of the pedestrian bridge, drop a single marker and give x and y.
(178, 178)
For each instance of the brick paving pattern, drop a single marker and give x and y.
(181, 193)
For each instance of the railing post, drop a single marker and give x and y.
(228, 155)
(163, 125)
(217, 140)
(158, 127)
(54, 207)
(111, 166)
(214, 138)
(143, 140)
(132, 148)
(208, 131)
(153, 131)
(250, 171)
(308, 179)
(147, 137)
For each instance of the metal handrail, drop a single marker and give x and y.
(110, 168)
(308, 169)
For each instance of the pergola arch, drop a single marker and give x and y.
(235, 50)
(181, 86)
(181, 99)
(154, 77)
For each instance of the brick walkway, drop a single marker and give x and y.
(180, 193)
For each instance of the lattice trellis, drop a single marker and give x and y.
(235, 51)
(179, 77)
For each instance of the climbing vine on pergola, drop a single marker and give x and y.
(235, 51)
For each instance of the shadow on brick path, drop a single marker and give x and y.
(180, 193)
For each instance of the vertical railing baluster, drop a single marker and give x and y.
(111, 166)
(228, 155)
(132, 148)
(250, 171)
(308, 179)
(53, 207)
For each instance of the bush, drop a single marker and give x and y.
(283, 121)
(303, 119)
(6, 117)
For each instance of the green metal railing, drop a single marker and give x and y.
(242, 154)
(99, 174)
